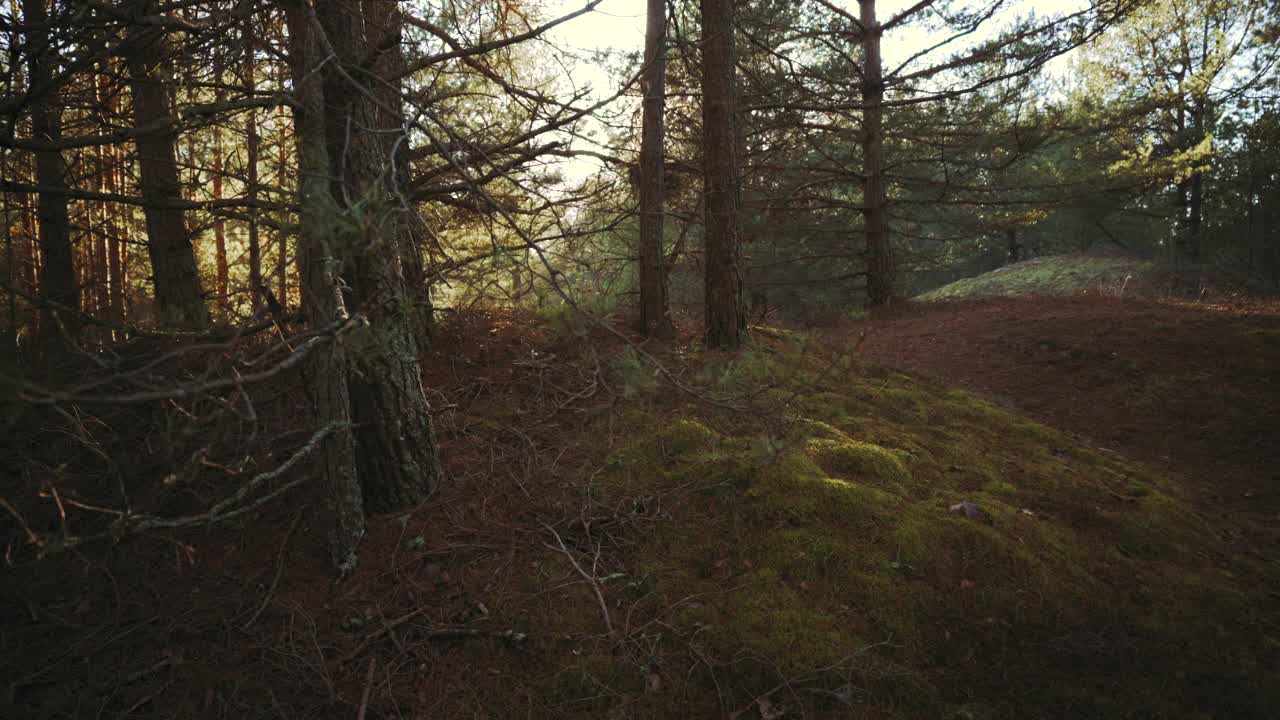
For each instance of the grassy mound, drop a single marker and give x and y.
(1056, 275)
(874, 546)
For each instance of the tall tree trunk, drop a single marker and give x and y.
(173, 264)
(1195, 190)
(328, 366)
(879, 259)
(725, 317)
(385, 30)
(655, 314)
(397, 456)
(102, 271)
(31, 270)
(58, 277)
(9, 337)
(107, 179)
(120, 296)
(282, 242)
(256, 288)
(223, 278)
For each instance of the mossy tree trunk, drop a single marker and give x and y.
(396, 446)
(384, 30)
(327, 370)
(725, 317)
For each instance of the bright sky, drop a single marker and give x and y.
(618, 25)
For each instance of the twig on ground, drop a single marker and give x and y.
(368, 687)
(589, 577)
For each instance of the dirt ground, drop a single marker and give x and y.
(1193, 389)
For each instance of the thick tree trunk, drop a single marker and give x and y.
(875, 224)
(725, 317)
(173, 265)
(655, 315)
(397, 455)
(58, 276)
(384, 29)
(327, 369)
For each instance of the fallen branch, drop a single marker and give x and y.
(236, 505)
(589, 577)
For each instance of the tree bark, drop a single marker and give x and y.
(327, 369)
(655, 314)
(58, 276)
(256, 289)
(397, 456)
(385, 33)
(179, 299)
(282, 246)
(725, 317)
(875, 225)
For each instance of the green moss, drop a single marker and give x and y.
(685, 436)
(806, 428)
(862, 461)
(828, 406)
(1058, 275)
(785, 549)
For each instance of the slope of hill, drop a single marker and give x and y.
(1111, 275)
(790, 533)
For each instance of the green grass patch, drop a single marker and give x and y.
(818, 551)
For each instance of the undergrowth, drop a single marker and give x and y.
(879, 546)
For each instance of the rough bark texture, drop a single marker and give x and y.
(397, 457)
(655, 314)
(725, 317)
(327, 369)
(384, 27)
(58, 276)
(879, 258)
(179, 299)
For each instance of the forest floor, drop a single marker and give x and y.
(1190, 388)
(798, 531)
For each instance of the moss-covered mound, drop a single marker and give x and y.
(872, 546)
(1057, 275)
